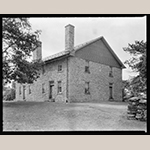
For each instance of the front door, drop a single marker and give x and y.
(51, 84)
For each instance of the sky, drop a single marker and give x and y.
(118, 32)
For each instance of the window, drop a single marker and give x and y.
(87, 88)
(43, 69)
(59, 87)
(110, 90)
(43, 89)
(59, 68)
(110, 73)
(87, 69)
(24, 91)
(29, 89)
(20, 90)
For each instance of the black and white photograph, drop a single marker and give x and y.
(74, 73)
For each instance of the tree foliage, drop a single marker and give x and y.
(9, 94)
(138, 64)
(18, 42)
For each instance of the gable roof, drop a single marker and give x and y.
(63, 53)
(86, 43)
(78, 47)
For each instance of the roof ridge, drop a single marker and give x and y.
(61, 53)
(78, 47)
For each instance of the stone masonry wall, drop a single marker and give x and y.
(51, 73)
(99, 81)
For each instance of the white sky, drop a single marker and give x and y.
(118, 32)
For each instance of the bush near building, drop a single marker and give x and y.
(9, 94)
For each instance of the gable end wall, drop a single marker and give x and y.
(99, 81)
(99, 53)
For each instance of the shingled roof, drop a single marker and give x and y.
(78, 47)
(63, 53)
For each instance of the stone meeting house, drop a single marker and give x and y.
(85, 73)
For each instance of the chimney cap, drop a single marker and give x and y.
(69, 25)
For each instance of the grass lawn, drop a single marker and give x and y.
(51, 116)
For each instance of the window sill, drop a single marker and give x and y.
(111, 99)
(87, 93)
(111, 76)
(60, 93)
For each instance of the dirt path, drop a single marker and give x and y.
(47, 116)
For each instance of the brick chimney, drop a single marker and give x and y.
(69, 37)
(37, 53)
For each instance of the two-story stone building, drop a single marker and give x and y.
(88, 72)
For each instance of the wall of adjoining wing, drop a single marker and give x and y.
(51, 74)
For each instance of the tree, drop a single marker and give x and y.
(19, 41)
(138, 64)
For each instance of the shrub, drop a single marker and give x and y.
(9, 95)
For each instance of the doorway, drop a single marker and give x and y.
(51, 84)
